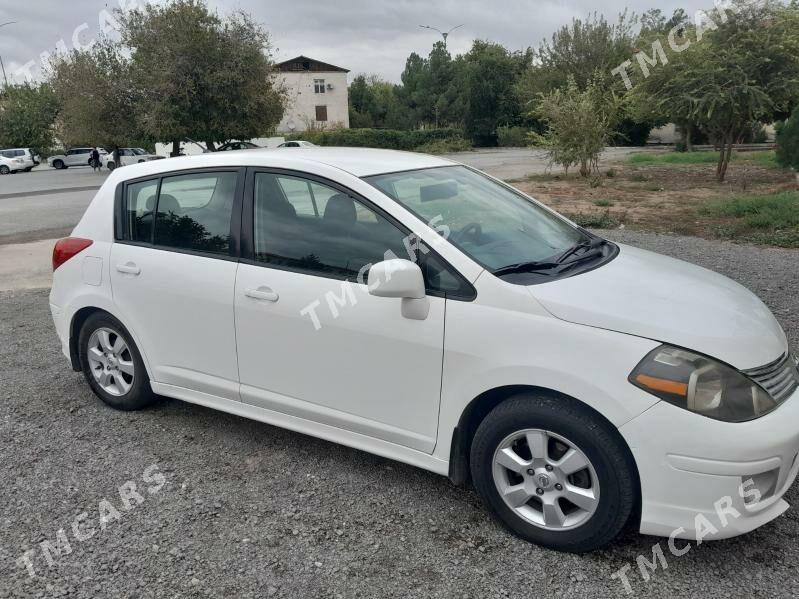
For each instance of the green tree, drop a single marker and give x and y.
(579, 50)
(206, 77)
(788, 143)
(27, 116)
(97, 97)
(376, 103)
(579, 123)
(743, 69)
(486, 78)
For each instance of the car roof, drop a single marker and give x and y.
(361, 162)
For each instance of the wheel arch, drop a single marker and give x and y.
(79, 318)
(479, 408)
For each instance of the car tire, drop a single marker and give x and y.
(29, 169)
(58, 164)
(4, 170)
(111, 165)
(533, 496)
(112, 364)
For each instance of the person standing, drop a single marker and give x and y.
(95, 160)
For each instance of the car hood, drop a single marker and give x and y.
(649, 295)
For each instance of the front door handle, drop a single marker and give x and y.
(129, 268)
(263, 294)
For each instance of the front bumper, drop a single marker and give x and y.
(692, 470)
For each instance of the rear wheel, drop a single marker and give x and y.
(554, 473)
(112, 364)
(111, 165)
(4, 170)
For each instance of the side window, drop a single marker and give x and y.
(194, 212)
(140, 209)
(307, 197)
(338, 236)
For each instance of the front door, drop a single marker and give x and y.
(312, 342)
(173, 277)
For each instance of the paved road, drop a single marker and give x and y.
(250, 510)
(47, 203)
(44, 203)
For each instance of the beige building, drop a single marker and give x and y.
(317, 95)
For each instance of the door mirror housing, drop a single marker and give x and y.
(401, 279)
(396, 278)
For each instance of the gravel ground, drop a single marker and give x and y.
(249, 510)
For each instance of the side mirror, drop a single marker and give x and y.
(401, 279)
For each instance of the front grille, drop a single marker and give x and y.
(780, 378)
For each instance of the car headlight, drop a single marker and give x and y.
(701, 384)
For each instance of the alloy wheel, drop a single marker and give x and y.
(111, 361)
(546, 479)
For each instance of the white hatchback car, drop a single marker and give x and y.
(420, 310)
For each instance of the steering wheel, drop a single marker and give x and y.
(473, 230)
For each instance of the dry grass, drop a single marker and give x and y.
(670, 198)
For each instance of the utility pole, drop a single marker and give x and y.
(2, 66)
(444, 34)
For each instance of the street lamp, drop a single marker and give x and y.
(444, 34)
(2, 66)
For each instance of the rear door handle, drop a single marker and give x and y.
(129, 269)
(263, 294)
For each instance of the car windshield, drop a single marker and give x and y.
(492, 224)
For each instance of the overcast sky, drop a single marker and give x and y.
(360, 35)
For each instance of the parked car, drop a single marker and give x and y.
(128, 156)
(11, 165)
(75, 157)
(237, 145)
(27, 155)
(423, 311)
(297, 144)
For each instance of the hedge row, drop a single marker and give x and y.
(389, 139)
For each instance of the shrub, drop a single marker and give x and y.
(788, 142)
(512, 137)
(445, 146)
(390, 139)
(594, 220)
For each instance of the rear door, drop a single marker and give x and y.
(78, 157)
(173, 271)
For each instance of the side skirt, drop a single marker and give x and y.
(384, 449)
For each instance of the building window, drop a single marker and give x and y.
(319, 86)
(321, 113)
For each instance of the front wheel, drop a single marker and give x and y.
(4, 170)
(111, 165)
(112, 364)
(554, 473)
(59, 164)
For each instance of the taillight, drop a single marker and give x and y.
(67, 248)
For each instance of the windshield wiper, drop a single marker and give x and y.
(561, 263)
(588, 244)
